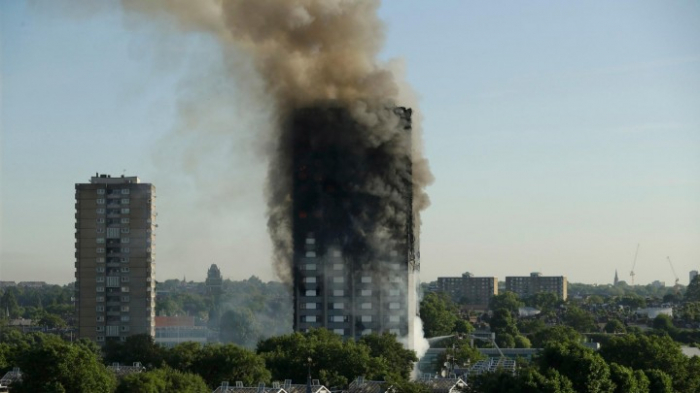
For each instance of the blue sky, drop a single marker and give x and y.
(560, 135)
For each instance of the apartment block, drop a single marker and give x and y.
(525, 286)
(469, 289)
(115, 258)
(346, 278)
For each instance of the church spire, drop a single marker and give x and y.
(616, 280)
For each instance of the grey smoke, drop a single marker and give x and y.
(310, 52)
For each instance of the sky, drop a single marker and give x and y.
(561, 135)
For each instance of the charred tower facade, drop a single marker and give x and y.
(354, 252)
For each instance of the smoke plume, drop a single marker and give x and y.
(310, 54)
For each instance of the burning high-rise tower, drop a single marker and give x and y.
(352, 227)
(346, 179)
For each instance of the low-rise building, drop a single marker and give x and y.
(171, 331)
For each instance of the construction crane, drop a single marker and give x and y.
(676, 286)
(634, 264)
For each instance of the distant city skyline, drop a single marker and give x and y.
(560, 136)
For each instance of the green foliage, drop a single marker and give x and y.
(463, 327)
(688, 312)
(51, 321)
(9, 304)
(530, 325)
(556, 334)
(646, 352)
(137, 348)
(665, 323)
(439, 315)
(404, 386)
(615, 326)
(503, 323)
(544, 301)
(643, 352)
(240, 327)
(692, 293)
(53, 365)
(162, 380)
(659, 381)
(585, 368)
(399, 360)
(460, 353)
(228, 362)
(628, 381)
(507, 300)
(334, 361)
(35, 303)
(579, 319)
(528, 380)
(522, 342)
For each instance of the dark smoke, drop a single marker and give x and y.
(321, 54)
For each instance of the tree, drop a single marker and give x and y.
(659, 381)
(614, 326)
(543, 301)
(405, 386)
(52, 365)
(460, 353)
(508, 300)
(240, 327)
(586, 369)
(665, 323)
(580, 320)
(51, 321)
(463, 327)
(556, 334)
(8, 303)
(137, 348)
(528, 380)
(334, 361)
(530, 325)
(551, 381)
(183, 356)
(229, 362)
(162, 380)
(692, 293)
(398, 359)
(522, 342)
(628, 381)
(438, 314)
(688, 312)
(646, 352)
(502, 322)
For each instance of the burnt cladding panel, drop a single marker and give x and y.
(334, 169)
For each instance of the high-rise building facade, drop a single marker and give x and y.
(535, 283)
(354, 269)
(115, 258)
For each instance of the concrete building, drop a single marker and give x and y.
(525, 286)
(345, 278)
(451, 286)
(115, 258)
(171, 331)
(472, 290)
(692, 275)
